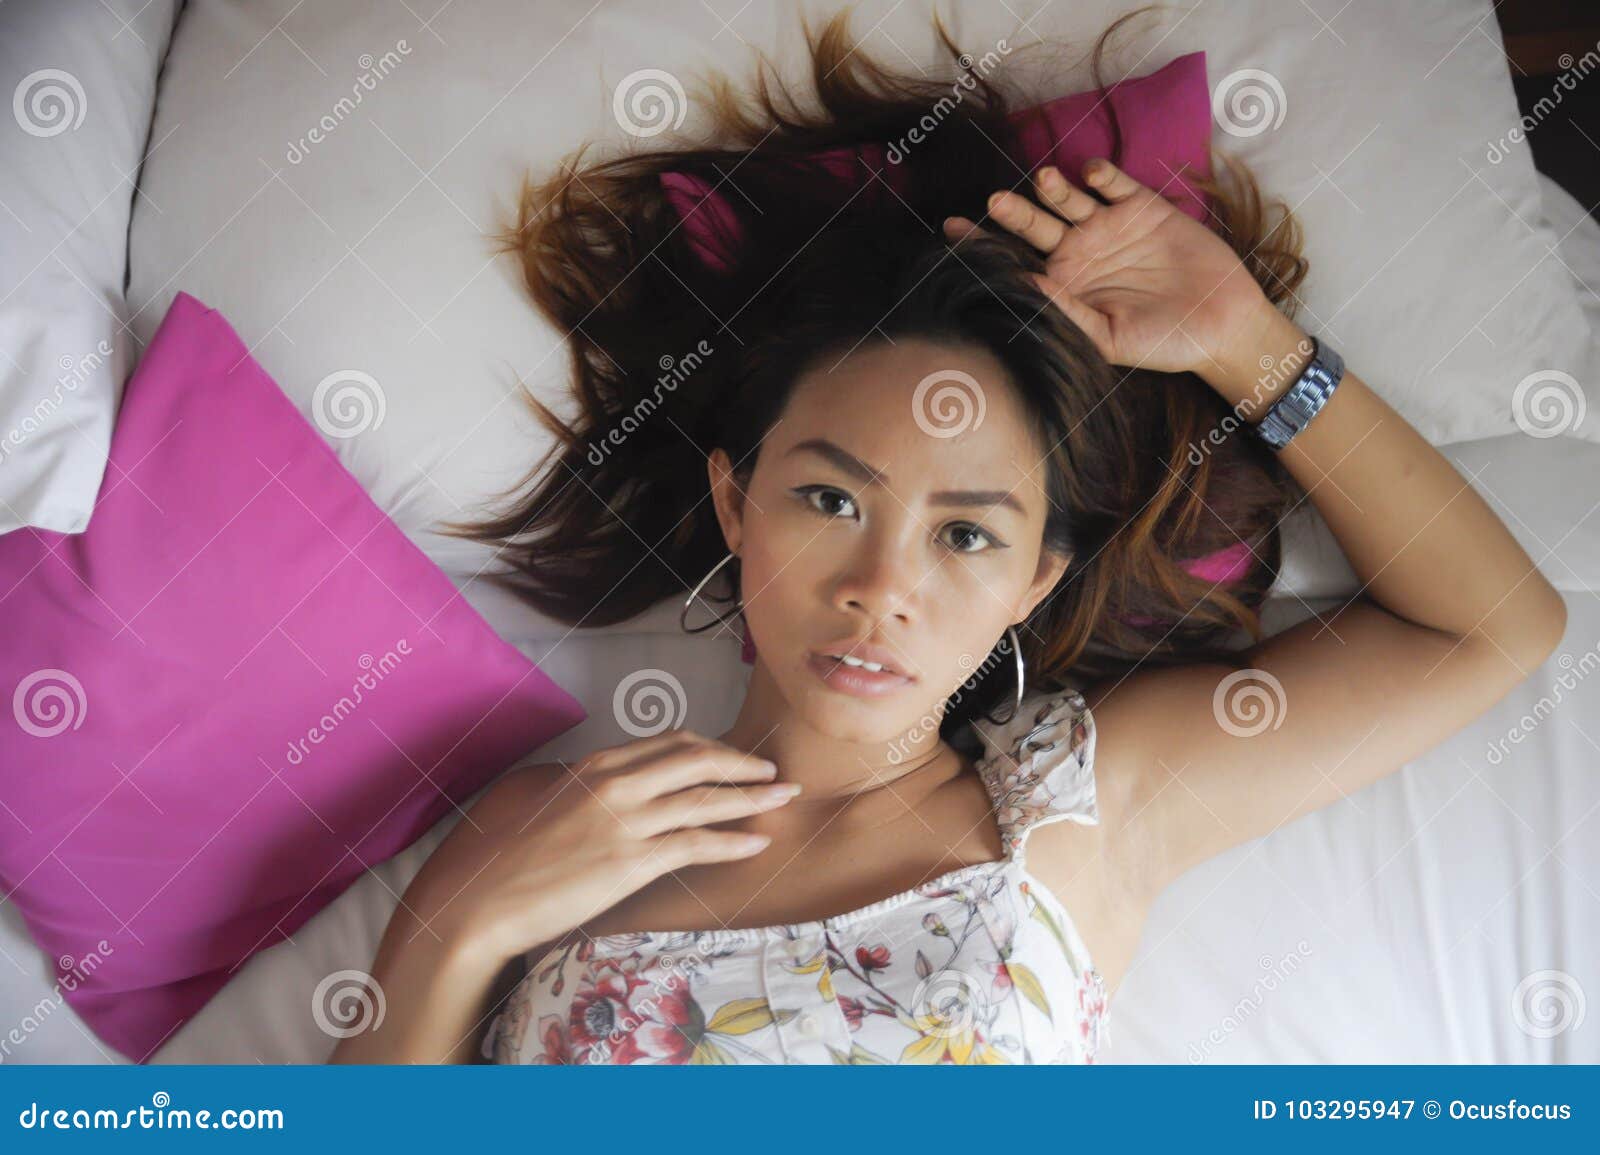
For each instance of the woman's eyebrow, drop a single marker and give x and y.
(853, 465)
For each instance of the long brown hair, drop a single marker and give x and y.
(623, 520)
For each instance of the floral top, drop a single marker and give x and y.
(980, 965)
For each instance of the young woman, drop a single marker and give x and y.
(870, 865)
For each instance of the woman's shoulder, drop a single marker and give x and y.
(1038, 763)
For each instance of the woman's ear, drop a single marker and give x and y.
(1051, 566)
(726, 497)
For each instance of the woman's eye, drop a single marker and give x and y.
(809, 492)
(969, 533)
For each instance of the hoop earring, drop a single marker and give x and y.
(1016, 652)
(683, 614)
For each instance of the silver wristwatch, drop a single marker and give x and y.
(1304, 399)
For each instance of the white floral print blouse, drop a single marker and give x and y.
(980, 965)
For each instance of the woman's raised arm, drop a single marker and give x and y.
(1452, 613)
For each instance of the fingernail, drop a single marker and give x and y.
(1051, 176)
(755, 841)
(996, 199)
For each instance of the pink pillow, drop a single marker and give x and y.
(238, 689)
(1165, 119)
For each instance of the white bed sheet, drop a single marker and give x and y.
(1395, 926)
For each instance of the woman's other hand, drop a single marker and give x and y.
(549, 848)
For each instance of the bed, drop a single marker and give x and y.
(1449, 913)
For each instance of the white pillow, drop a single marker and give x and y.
(1545, 489)
(335, 168)
(80, 79)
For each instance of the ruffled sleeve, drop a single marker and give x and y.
(1039, 766)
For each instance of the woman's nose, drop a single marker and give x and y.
(881, 581)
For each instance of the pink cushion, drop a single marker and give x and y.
(238, 689)
(1165, 119)
(1166, 123)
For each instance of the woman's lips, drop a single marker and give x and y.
(854, 679)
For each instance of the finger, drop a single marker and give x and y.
(626, 753)
(1087, 318)
(674, 769)
(960, 228)
(1110, 181)
(704, 805)
(1065, 198)
(680, 848)
(1021, 216)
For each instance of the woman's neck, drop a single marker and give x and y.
(847, 784)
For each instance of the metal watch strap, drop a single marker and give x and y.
(1304, 399)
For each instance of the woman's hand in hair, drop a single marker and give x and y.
(1151, 286)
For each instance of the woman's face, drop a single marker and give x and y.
(896, 509)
